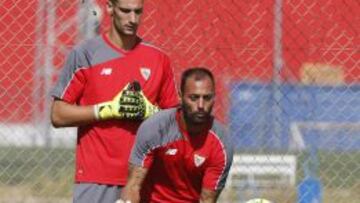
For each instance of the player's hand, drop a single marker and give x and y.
(125, 105)
(147, 109)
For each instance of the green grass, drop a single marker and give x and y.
(339, 173)
(336, 169)
(44, 172)
(37, 171)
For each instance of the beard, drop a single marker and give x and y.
(198, 117)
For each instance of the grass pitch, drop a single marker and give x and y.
(47, 174)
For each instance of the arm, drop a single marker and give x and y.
(131, 191)
(141, 159)
(123, 106)
(64, 114)
(209, 196)
(69, 87)
(215, 175)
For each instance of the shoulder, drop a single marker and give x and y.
(224, 143)
(94, 51)
(221, 133)
(89, 45)
(153, 49)
(219, 128)
(162, 119)
(156, 129)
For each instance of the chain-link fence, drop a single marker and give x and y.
(287, 86)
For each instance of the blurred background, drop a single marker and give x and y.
(288, 87)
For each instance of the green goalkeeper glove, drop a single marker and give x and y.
(147, 109)
(125, 105)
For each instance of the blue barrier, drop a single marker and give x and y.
(310, 191)
(258, 121)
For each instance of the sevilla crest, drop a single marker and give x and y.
(145, 72)
(198, 160)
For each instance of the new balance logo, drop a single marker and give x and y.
(106, 71)
(171, 152)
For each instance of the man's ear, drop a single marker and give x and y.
(179, 96)
(110, 8)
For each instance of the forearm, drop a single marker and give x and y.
(67, 115)
(132, 189)
(209, 196)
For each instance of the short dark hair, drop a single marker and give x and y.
(198, 72)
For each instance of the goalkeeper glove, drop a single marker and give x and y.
(147, 109)
(125, 105)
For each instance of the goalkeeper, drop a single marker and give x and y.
(95, 93)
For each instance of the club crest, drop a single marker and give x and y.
(198, 160)
(145, 72)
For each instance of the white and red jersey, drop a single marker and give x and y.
(180, 165)
(95, 71)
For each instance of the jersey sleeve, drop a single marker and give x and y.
(147, 139)
(72, 78)
(218, 169)
(168, 93)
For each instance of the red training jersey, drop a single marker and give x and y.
(95, 71)
(179, 165)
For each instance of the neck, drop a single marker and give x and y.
(196, 129)
(125, 42)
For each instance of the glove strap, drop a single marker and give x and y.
(96, 112)
(103, 111)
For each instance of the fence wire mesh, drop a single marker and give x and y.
(287, 77)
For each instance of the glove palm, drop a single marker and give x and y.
(125, 105)
(147, 109)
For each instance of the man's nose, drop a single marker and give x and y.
(201, 103)
(133, 17)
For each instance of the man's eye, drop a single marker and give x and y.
(138, 11)
(193, 97)
(124, 10)
(208, 97)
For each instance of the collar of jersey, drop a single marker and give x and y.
(118, 49)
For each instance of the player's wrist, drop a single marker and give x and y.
(96, 112)
(103, 111)
(149, 108)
